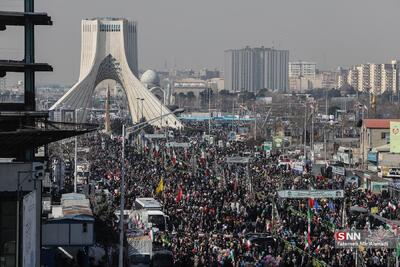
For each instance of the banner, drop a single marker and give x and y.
(311, 193)
(267, 146)
(155, 136)
(394, 137)
(176, 144)
(338, 170)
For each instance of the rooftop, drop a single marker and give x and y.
(378, 123)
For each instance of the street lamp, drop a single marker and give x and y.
(76, 152)
(161, 106)
(137, 104)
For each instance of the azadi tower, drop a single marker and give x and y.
(109, 51)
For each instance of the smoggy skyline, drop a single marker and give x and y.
(194, 34)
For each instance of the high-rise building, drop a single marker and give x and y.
(302, 69)
(375, 78)
(252, 69)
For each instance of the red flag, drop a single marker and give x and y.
(311, 203)
(180, 195)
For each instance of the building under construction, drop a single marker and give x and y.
(24, 135)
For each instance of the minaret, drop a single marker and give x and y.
(107, 121)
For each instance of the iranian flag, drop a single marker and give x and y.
(310, 205)
(173, 157)
(391, 206)
(156, 151)
(151, 235)
(203, 158)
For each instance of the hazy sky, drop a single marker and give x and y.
(195, 34)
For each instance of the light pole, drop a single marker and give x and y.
(76, 152)
(209, 112)
(137, 104)
(122, 204)
(161, 106)
(305, 131)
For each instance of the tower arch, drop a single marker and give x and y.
(109, 51)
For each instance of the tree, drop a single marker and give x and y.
(190, 96)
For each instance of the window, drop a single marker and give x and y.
(386, 135)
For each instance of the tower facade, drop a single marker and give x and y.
(109, 51)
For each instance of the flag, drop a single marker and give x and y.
(331, 206)
(151, 235)
(374, 210)
(173, 157)
(391, 206)
(309, 225)
(156, 151)
(248, 244)
(306, 244)
(180, 195)
(202, 158)
(311, 203)
(160, 187)
(316, 206)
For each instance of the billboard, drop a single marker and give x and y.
(338, 170)
(177, 144)
(311, 194)
(391, 172)
(29, 229)
(267, 146)
(394, 137)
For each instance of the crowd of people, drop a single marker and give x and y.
(229, 214)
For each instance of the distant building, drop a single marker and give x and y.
(302, 69)
(341, 77)
(308, 79)
(252, 69)
(300, 84)
(326, 79)
(189, 85)
(206, 74)
(216, 84)
(375, 78)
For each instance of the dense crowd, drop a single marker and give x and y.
(225, 214)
